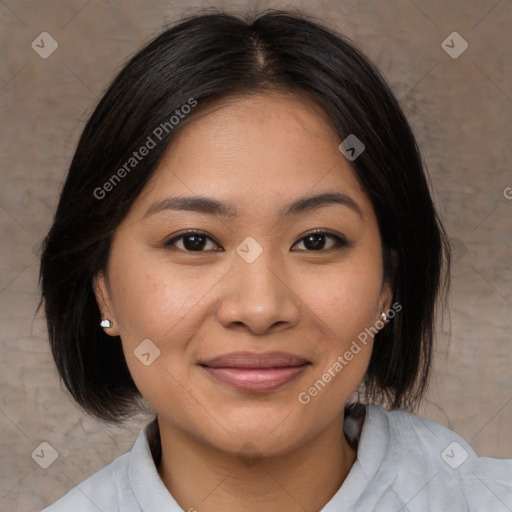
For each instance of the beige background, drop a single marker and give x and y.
(461, 111)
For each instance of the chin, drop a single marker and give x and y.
(256, 433)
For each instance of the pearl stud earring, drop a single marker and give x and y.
(106, 324)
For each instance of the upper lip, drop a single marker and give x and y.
(255, 360)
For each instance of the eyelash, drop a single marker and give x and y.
(340, 241)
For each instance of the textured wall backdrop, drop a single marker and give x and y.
(460, 107)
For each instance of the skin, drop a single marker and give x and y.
(258, 152)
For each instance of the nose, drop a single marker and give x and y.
(258, 296)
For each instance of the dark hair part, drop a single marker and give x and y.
(210, 57)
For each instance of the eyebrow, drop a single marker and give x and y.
(210, 206)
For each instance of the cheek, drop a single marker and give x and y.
(346, 297)
(153, 297)
(344, 302)
(162, 302)
(155, 302)
(344, 308)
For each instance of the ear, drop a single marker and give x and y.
(386, 296)
(102, 294)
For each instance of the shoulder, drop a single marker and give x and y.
(98, 492)
(442, 466)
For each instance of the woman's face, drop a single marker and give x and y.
(254, 284)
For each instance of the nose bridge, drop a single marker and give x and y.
(257, 269)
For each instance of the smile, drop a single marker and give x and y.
(252, 372)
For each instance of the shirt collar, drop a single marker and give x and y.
(375, 447)
(148, 488)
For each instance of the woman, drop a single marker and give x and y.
(246, 240)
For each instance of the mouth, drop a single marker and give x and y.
(253, 372)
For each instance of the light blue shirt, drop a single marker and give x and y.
(404, 463)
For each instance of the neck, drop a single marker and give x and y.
(302, 480)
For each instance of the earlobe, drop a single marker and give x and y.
(103, 300)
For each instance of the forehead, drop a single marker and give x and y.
(257, 152)
(274, 127)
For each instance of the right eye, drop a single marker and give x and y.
(193, 241)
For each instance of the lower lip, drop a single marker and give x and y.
(256, 379)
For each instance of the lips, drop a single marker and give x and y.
(253, 372)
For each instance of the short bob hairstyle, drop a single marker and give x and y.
(206, 58)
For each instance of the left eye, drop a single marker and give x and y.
(195, 241)
(316, 240)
